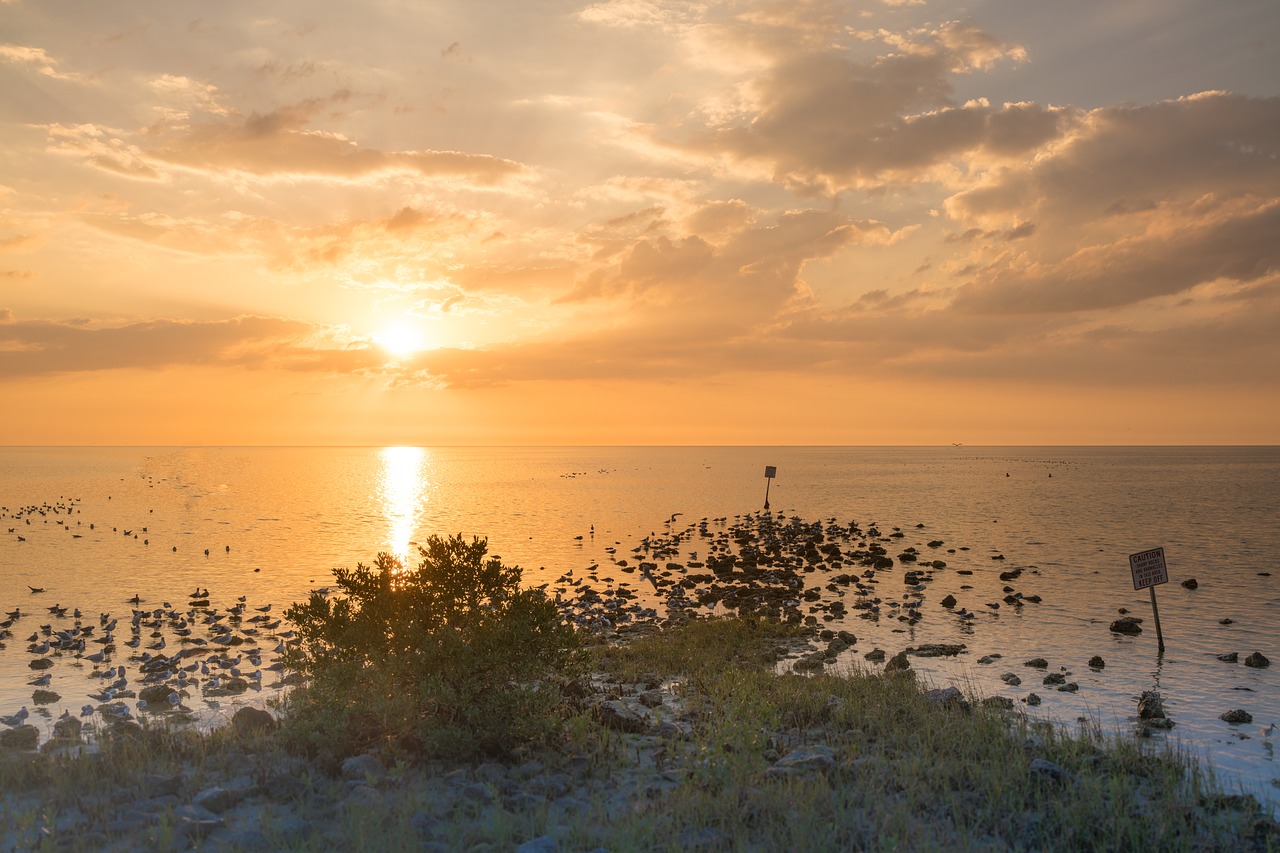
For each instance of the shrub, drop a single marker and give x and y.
(451, 659)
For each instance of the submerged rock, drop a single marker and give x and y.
(1237, 716)
(1257, 660)
(1229, 657)
(1150, 706)
(1096, 662)
(1191, 583)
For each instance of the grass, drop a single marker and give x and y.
(905, 773)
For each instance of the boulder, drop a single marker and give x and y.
(1257, 660)
(1229, 657)
(1037, 663)
(1127, 625)
(251, 721)
(1236, 716)
(804, 760)
(949, 601)
(23, 737)
(1150, 706)
(623, 715)
(1096, 662)
(1191, 583)
(947, 697)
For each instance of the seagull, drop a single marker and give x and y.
(17, 719)
(35, 589)
(86, 710)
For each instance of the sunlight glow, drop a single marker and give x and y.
(402, 493)
(401, 340)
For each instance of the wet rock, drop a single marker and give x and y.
(1191, 583)
(1127, 625)
(898, 663)
(1096, 662)
(40, 663)
(1010, 679)
(1229, 657)
(1069, 687)
(1054, 678)
(23, 737)
(1150, 706)
(252, 721)
(949, 601)
(1032, 699)
(1037, 663)
(1257, 660)
(156, 696)
(936, 650)
(1236, 716)
(875, 655)
(1227, 621)
(45, 697)
(68, 728)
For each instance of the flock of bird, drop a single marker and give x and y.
(155, 660)
(767, 564)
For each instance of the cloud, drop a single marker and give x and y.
(42, 347)
(280, 143)
(825, 120)
(34, 57)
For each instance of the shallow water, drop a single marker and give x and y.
(1068, 516)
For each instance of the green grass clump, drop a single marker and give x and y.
(451, 658)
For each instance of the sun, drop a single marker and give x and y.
(401, 340)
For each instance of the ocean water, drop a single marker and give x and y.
(97, 527)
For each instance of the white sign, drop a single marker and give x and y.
(770, 471)
(1148, 568)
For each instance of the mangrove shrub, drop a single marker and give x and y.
(451, 658)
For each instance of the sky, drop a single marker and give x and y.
(761, 222)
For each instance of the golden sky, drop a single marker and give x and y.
(640, 222)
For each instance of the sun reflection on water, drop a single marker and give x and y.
(403, 495)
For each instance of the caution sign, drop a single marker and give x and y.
(770, 471)
(1148, 568)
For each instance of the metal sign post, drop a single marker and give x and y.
(770, 471)
(1149, 571)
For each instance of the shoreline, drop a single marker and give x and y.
(665, 747)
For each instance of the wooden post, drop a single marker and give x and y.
(1155, 611)
(770, 472)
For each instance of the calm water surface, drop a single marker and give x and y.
(1068, 516)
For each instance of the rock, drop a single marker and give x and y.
(1032, 699)
(1011, 679)
(361, 768)
(1191, 583)
(1043, 769)
(156, 696)
(1127, 625)
(623, 715)
(1229, 657)
(1038, 663)
(1227, 621)
(23, 737)
(253, 721)
(68, 728)
(45, 697)
(947, 697)
(1069, 687)
(936, 650)
(1055, 678)
(1257, 660)
(898, 663)
(1236, 716)
(1150, 706)
(804, 760)
(40, 663)
(949, 601)
(541, 844)
(1003, 703)
(218, 799)
(1096, 662)
(875, 655)
(195, 821)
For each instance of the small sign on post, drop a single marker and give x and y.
(770, 471)
(1149, 571)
